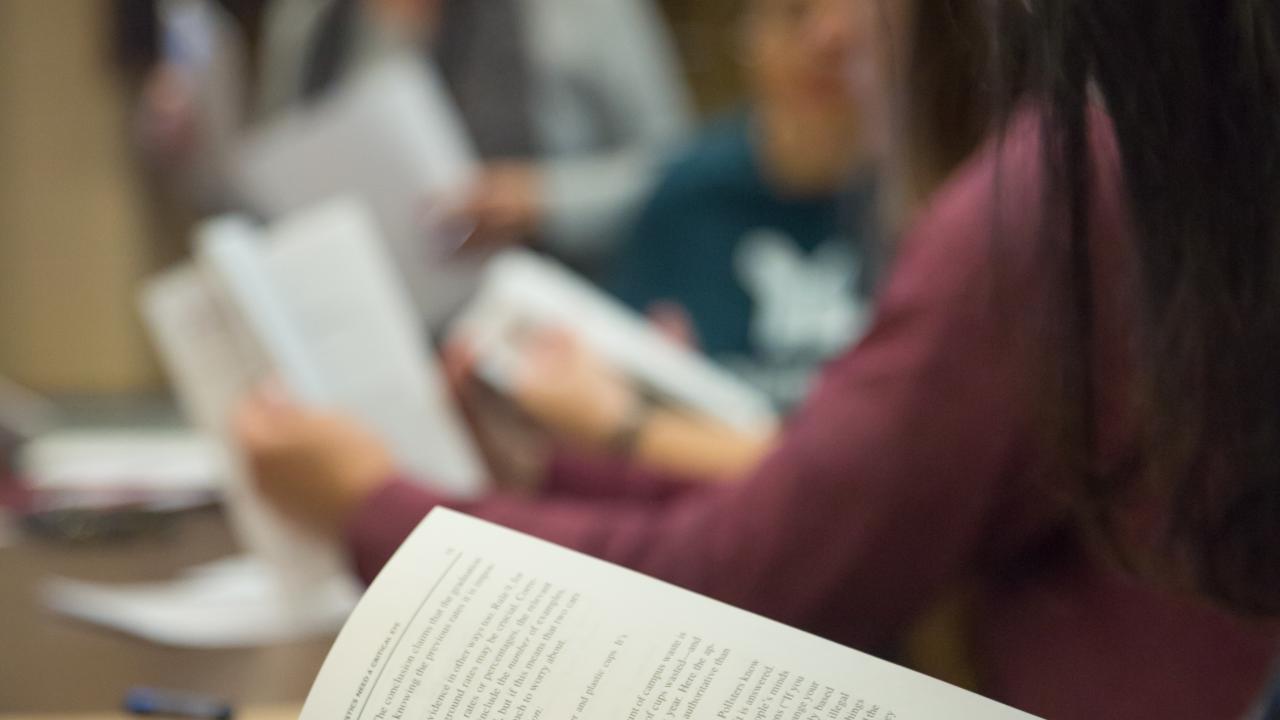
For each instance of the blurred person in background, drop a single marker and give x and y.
(1067, 401)
(760, 231)
(188, 70)
(573, 104)
(758, 248)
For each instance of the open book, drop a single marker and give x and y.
(315, 302)
(519, 290)
(471, 620)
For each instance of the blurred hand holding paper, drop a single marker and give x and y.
(330, 316)
(236, 602)
(520, 289)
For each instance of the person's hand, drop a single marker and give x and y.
(504, 205)
(564, 385)
(673, 321)
(315, 467)
(515, 448)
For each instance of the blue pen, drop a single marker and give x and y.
(153, 701)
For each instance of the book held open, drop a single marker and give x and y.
(472, 620)
(314, 302)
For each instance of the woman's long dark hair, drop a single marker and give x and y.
(1192, 88)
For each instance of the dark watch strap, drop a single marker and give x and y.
(626, 436)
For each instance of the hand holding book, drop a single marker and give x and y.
(316, 467)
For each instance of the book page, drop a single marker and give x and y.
(211, 369)
(471, 620)
(392, 137)
(326, 306)
(365, 342)
(520, 289)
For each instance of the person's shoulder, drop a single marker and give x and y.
(718, 157)
(984, 230)
(1003, 185)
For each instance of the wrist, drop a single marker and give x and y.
(628, 431)
(355, 492)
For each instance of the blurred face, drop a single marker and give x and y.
(414, 18)
(807, 53)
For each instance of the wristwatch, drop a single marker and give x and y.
(626, 435)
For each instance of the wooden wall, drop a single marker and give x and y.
(706, 32)
(72, 237)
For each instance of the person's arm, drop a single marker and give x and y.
(886, 487)
(576, 395)
(669, 439)
(905, 469)
(880, 493)
(634, 81)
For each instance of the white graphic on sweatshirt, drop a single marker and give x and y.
(804, 311)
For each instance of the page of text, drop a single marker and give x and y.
(473, 621)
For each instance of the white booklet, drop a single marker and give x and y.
(520, 289)
(314, 301)
(471, 620)
(393, 137)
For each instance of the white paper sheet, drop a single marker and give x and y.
(212, 367)
(520, 289)
(313, 301)
(326, 306)
(236, 602)
(392, 137)
(150, 461)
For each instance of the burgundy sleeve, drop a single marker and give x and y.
(885, 485)
(573, 473)
(391, 513)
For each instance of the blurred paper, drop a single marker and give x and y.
(328, 310)
(314, 302)
(520, 290)
(212, 366)
(155, 461)
(392, 137)
(237, 602)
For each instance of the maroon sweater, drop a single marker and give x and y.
(911, 471)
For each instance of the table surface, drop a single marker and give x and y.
(52, 665)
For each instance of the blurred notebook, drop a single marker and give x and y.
(520, 289)
(315, 302)
(392, 137)
(23, 415)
